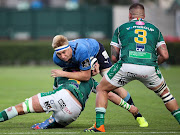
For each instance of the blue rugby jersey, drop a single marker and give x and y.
(82, 50)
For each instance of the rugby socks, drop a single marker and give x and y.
(125, 105)
(176, 114)
(8, 114)
(129, 100)
(100, 112)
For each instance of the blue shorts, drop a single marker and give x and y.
(103, 58)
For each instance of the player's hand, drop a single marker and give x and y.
(57, 73)
(96, 69)
(134, 110)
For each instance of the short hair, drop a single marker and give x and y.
(136, 6)
(59, 40)
(137, 10)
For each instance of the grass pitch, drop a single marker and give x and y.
(19, 83)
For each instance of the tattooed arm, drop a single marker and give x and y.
(114, 53)
(163, 54)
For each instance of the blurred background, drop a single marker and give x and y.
(28, 26)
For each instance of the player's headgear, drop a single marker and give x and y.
(64, 47)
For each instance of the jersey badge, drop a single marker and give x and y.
(86, 63)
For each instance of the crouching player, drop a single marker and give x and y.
(67, 102)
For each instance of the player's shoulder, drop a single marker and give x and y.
(55, 57)
(80, 52)
(122, 26)
(150, 24)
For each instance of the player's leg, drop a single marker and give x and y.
(119, 101)
(109, 82)
(156, 82)
(30, 105)
(170, 102)
(66, 109)
(105, 64)
(101, 104)
(127, 97)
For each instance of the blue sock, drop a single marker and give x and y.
(129, 100)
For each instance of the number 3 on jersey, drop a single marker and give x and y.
(141, 39)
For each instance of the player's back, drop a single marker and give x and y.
(86, 43)
(138, 42)
(80, 89)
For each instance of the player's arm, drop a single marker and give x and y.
(114, 53)
(163, 54)
(115, 46)
(83, 75)
(95, 70)
(162, 50)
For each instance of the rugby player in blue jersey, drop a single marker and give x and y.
(75, 56)
(67, 100)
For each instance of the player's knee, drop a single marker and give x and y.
(27, 106)
(110, 95)
(98, 88)
(164, 93)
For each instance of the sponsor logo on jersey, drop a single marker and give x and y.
(140, 47)
(86, 63)
(140, 27)
(140, 23)
(62, 104)
(129, 74)
(63, 107)
(106, 61)
(140, 55)
(75, 84)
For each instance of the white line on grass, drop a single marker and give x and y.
(34, 133)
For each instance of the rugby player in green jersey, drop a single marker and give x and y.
(141, 49)
(67, 102)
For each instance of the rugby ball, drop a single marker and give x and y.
(93, 61)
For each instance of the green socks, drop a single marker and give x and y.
(176, 114)
(3, 116)
(8, 114)
(100, 112)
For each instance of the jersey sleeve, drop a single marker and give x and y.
(115, 40)
(55, 86)
(160, 40)
(95, 85)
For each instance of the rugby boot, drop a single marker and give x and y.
(142, 122)
(95, 129)
(49, 123)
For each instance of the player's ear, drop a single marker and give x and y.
(130, 16)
